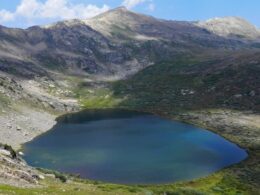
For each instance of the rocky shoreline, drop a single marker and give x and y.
(27, 111)
(241, 128)
(23, 125)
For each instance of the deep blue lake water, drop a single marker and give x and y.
(126, 147)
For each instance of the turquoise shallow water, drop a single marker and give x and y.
(128, 147)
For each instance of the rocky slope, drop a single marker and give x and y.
(13, 170)
(28, 109)
(116, 43)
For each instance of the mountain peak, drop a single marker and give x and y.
(119, 11)
(231, 26)
(233, 20)
(118, 18)
(121, 8)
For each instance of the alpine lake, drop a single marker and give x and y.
(128, 147)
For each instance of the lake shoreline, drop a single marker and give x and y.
(202, 149)
(198, 119)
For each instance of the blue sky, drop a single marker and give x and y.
(24, 13)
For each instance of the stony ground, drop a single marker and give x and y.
(16, 172)
(27, 109)
(243, 128)
(23, 124)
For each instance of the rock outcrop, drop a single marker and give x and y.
(15, 171)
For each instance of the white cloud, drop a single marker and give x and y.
(132, 3)
(31, 11)
(151, 7)
(27, 8)
(6, 16)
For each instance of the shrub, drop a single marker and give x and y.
(11, 150)
(57, 174)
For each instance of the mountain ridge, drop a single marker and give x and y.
(207, 24)
(123, 9)
(211, 24)
(116, 43)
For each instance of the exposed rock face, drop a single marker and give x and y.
(231, 27)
